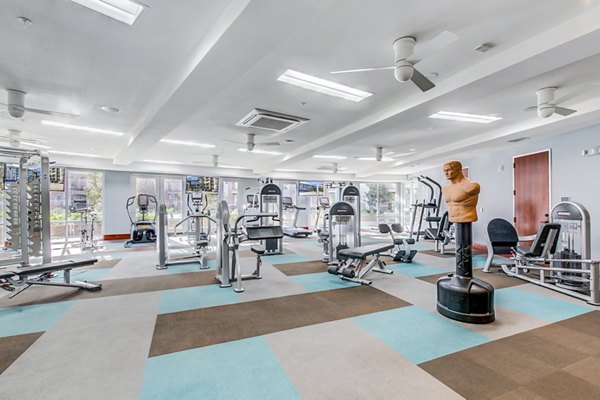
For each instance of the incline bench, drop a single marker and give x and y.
(17, 280)
(357, 266)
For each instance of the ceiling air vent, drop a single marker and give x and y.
(270, 120)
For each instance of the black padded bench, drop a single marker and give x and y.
(357, 267)
(363, 252)
(17, 280)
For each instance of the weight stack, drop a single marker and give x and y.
(460, 296)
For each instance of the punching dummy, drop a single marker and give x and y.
(462, 297)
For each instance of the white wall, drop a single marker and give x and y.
(117, 189)
(572, 175)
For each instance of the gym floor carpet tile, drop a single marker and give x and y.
(548, 362)
(29, 319)
(207, 326)
(112, 287)
(283, 259)
(196, 297)
(418, 334)
(542, 307)
(301, 268)
(322, 281)
(191, 266)
(244, 369)
(497, 279)
(11, 347)
(417, 269)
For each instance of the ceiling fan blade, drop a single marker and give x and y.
(563, 111)
(425, 49)
(47, 112)
(532, 108)
(269, 144)
(362, 69)
(586, 87)
(423, 83)
(233, 141)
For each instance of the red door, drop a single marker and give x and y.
(531, 183)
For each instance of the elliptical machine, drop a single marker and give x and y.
(142, 230)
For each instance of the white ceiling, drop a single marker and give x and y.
(190, 69)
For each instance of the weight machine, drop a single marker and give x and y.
(228, 244)
(27, 207)
(428, 210)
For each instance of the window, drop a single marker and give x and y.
(88, 183)
(230, 195)
(378, 204)
(174, 200)
(145, 185)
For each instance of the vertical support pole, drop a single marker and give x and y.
(594, 283)
(24, 211)
(464, 241)
(45, 189)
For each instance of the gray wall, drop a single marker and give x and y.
(117, 188)
(572, 176)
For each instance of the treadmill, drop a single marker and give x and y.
(293, 230)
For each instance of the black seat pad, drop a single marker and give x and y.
(43, 268)
(258, 249)
(363, 252)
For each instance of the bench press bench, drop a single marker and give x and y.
(17, 280)
(356, 267)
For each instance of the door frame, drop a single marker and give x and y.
(549, 151)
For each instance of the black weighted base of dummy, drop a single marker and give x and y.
(460, 296)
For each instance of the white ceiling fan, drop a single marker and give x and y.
(15, 105)
(251, 142)
(548, 105)
(407, 54)
(16, 139)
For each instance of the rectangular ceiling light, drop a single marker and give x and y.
(231, 166)
(287, 170)
(330, 157)
(454, 116)
(125, 11)
(329, 88)
(69, 153)
(186, 143)
(273, 153)
(81, 128)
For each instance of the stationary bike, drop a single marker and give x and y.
(142, 230)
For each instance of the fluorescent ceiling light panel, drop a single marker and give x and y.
(70, 153)
(454, 116)
(186, 143)
(81, 128)
(330, 157)
(163, 162)
(287, 170)
(125, 11)
(273, 153)
(329, 88)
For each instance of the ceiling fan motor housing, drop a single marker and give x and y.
(545, 98)
(403, 48)
(16, 103)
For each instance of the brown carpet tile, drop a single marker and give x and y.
(113, 287)
(11, 348)
(301, 268)
(102, 264)
(207, 326)
(496, 278)
(556, 361)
